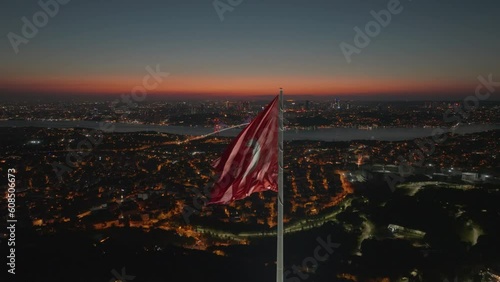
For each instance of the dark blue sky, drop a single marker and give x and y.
(431, 47)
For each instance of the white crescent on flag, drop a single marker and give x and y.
(255, 156)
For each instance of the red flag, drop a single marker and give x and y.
(250, 163)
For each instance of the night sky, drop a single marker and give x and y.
(430, 49)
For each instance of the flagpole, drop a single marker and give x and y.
(279, 274)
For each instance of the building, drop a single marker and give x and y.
(470, 177)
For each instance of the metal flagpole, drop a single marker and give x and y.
(279, 274)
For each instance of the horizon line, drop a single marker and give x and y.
(415, 96)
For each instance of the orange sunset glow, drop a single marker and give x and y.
(231, 85)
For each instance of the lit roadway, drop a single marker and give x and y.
(300, 225)
(295, 226)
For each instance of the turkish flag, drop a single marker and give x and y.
(250, 162)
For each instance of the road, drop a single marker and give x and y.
(342, 202)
